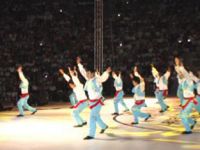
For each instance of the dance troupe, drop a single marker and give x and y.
(188, 92)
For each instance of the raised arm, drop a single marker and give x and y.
(81, 68)
(66, 77)
(104, 76)
(74, 75)
(167, 74)
(136, 73)
(21, 75)
(193, 77)
(154, 72)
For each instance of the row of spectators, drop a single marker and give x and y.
(46, 35)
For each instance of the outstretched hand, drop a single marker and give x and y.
(78, 60)
(61, 71)
(109, 69)
(19, 69)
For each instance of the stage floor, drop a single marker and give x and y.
(51, 128)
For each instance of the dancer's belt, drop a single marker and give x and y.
(117, 92)
(79, 103)
(189, 99)
(139, 102)
(24, 95)
(165, 92)
(96, 102)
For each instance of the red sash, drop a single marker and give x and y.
(97, 101)
(80, 102)
(139, 102)
(117, 92)
(190, 99)
(165, 92)
(24, 95)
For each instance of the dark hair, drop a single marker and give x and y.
(136, 79)
(90, 68)
(70, 82)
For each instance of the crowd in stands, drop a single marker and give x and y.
(46, 35)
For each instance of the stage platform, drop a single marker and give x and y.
(51, 128)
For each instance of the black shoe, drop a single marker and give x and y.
(20, 115)
(187, 132)
(103, 130)
(192, 126)
(133, 123)
(88, 138)
(126, 110)
(167, 108)
(34, 112)
(161, 111)
(115, 114)
(84, 123)
(147, 118)
(78, 126)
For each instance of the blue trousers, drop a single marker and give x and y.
(136, 111)
(95, 119)
(23, 103)
(160, 98)
(185, 116)
(119, 99)
(180, 94)
(77, 111)
(198, 105)
(73, 99)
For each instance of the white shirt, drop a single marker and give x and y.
(93, 85)
(160, 81)
(188, 88)
(118, 84)
(79, 89)
(24, 83)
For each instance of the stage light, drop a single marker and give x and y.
(179, 41)
(120, 44)
(127, 2)
(41, 44)
(118, 14)
(61, 10)
(189, 40)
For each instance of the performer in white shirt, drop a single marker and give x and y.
(196, 79)
(118, 97)
(94, 88)
(24, 96)
(161, 82)
(78, 89)
(139, 97)
(188, 104)
(180, 69)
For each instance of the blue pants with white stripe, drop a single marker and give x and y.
(119, 99)
(95, 118)
(77, 111)
(23, 103)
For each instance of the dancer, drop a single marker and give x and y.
(94, 89)
(139, 97)
(197, 87)
(188, 104)
(78, 89)
(118, 98)
(24, 96)
(161, 82)
(179, 68)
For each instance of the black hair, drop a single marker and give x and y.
(136, 79)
